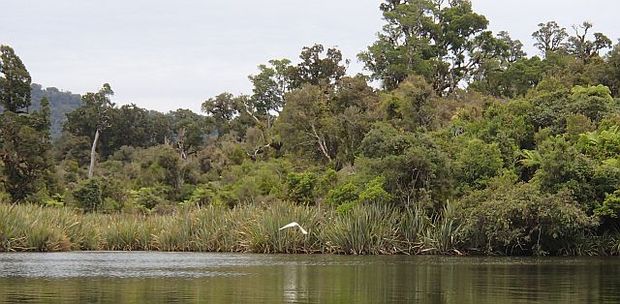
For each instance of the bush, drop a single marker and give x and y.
(517, 218)
(477, 162)
(343, 194)
(301, 186)
(89, 195)
(374, 192)
(149, 197)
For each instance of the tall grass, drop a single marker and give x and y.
(365, 229)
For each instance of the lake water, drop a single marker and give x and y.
(141, 277)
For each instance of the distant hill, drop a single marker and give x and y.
(61, 103)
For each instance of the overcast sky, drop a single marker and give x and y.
(165, 55)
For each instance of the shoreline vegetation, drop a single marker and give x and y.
(455, 141)
(363, 230)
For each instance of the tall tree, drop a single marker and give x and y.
(611, 77)
(271, 84)
(24, 137)
(15, 81)
(91, 119)
(318, 70)
(581, 47)
(190, 130)
(550, 37)
(441, 41)
(306, 126)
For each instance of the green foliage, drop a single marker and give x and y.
(413, 166)
(149, 197)
(346, 193)
(301, 186)
(271, 85)
(349, 194)
(409, 105)
(563, 167)
(14, 81)
(592, 101)
(93, 115)
(527, 146)
(602, 144)
(89, 195)
(515, 80)
(419, 37)
(202, 196)
(24, 152)
(610, 207)
(374, 192)
(511, 218)
(384, 140)
(477, 162)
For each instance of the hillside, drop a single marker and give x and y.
(61, 102)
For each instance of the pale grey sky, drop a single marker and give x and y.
(166, 55)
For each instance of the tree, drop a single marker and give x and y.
(15, 81)
(585, 49)
(611, 77)
(24, 137)
(414, 167)
(271, 84)
(355, 107)
(478, 162)
(318, 66)
(513, 49)
(91, 119)
(519, 218)
(513, 80)
(222, 108)
(316, 70)
(306, 125)
(443, 42)
(409, 105)
(189, 131)
(25, 147)
(550, 37)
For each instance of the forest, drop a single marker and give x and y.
(453, 141)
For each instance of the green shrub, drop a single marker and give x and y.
(300, 187)
(517, 218)
(343, 194)
(374, 192)
(149, 197)
(89, 195)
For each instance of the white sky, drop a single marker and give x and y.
(165, 55)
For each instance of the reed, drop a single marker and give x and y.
(363, 229)
(442, 235)
(214, 230)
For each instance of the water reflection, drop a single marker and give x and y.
(232, 278)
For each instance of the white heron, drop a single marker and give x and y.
(294, 224)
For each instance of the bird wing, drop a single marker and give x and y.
(294, 224)
(290, 225)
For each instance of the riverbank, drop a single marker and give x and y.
(363, 230)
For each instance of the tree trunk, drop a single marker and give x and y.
(321, 142)
(93, 155)
(181, 143)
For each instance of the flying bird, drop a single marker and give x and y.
(294, 224)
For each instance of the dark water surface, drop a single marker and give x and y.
(141, 277)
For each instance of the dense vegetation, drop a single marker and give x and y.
(468, 146)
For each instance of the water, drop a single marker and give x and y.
(140, 277)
